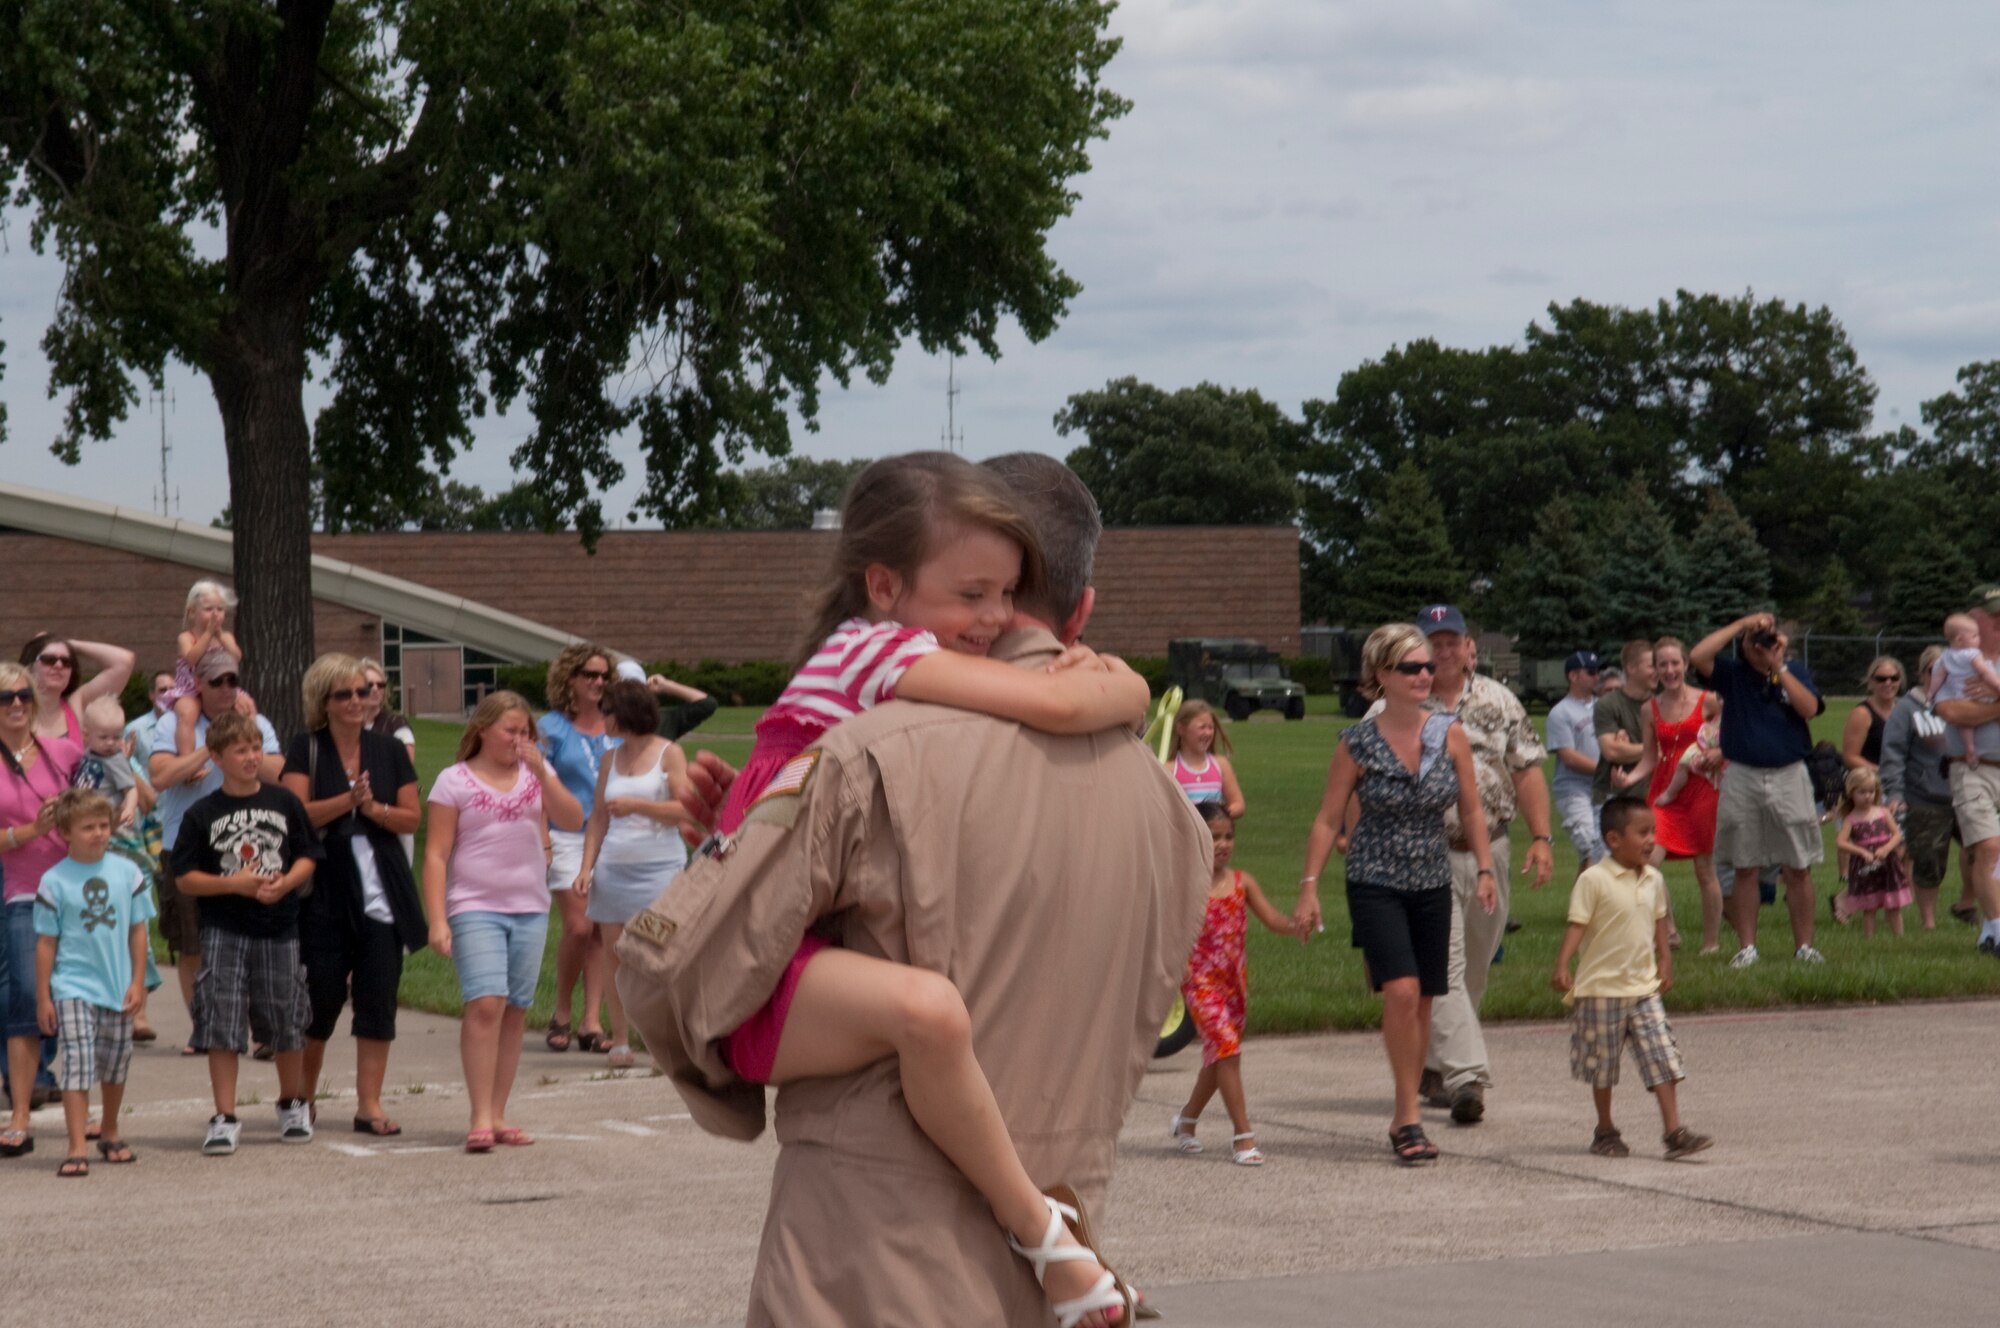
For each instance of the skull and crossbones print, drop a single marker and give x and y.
(97, 905)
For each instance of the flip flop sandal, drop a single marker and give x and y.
(379, 1126)
(479, 1141)
(1108, 1292)
(74, 1168)
(116, 1151)
(559, 1036)
(24, 1143)
(513, 1138)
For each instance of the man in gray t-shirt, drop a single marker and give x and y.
(1572, 740)
(1620, 718)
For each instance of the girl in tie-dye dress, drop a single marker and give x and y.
(1217, 990)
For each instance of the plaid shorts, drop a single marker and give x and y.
(1600, 1027)
(249, 985)
(95, 1046)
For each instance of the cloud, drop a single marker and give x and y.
(1509, 275)
(1478, 107)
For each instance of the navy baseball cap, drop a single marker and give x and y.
(1582, 659)
(1440, 618)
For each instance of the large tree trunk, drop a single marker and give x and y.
(259, 378)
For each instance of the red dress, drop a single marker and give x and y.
(1217, 986)
(1684, 827)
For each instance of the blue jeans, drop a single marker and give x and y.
(17, 983)
(499, 954)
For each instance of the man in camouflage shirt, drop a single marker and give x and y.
(1507, 761)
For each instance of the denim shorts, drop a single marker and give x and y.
(18, 970)
(498, 954)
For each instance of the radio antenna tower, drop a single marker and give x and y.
(163, 400)
(953, 437)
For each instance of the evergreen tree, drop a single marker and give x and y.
(1402, 559)
(1932, 578)
(1642, 572)
(1729, 570)
(1548, 595)
(1830, 610)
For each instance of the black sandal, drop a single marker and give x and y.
(74, 1168)
(1411, 1147)
(558, 1038)
(593, 1039)
(115, 1151)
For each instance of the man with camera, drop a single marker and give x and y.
(1766, 816)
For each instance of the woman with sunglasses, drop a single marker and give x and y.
(60, 692)
(360, 792)
(33, 771)
(573, 736)
(1406, 767)
(1861, 736)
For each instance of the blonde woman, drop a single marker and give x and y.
(360, 793)
(574, 740)
(486, 894)
(1406, 767)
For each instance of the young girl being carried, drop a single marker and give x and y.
(1217, 990)
(202, 634)
(932, 549)
(1193, 756)
(1877, 877)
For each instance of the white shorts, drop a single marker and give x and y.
(566, 860)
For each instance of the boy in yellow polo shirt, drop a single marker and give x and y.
(1618, 921)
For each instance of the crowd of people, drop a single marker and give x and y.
(824, 941)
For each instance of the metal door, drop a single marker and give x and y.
(434, 681)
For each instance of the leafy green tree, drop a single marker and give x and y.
(1642, 572)
(1963, 455)
(441, 207)
(1931, 579)
(1728, 568)
(1548, 595)
(781, 496)
(1402, 558)
(1830, 610)
(1203, 455)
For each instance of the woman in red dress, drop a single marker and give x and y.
(1685, 827)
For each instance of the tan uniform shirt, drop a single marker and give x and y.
(1059, 882)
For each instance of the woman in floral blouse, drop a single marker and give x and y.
(1404, 766)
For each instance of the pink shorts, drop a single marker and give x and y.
(752, 1050)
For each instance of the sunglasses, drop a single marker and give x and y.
(349, 693)
(1885, 677)
(55, 661)
(19, 696)
(595, 675)
(1409, 668)
(226, 680)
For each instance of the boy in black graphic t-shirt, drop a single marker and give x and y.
(243, 852)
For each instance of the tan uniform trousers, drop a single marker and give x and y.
(1458, 1047)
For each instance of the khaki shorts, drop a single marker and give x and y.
(1928, 831)
(1766, 818)
(180, 915)
(1975, 797)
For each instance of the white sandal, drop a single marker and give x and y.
(1187, 1143)
(1253, 1156)
(1107, 1293)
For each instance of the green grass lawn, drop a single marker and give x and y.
(1282, 767)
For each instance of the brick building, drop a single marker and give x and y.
(441, 610)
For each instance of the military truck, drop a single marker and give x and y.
(1237, 676)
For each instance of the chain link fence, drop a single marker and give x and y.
(1839, 664)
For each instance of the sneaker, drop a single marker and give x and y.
(1605, 1141)
(1807, 955)
(1989, 946)
(1744, 957)
(222, 1135)
(1468, 1105)
(1683, 1142)
(294, 1122)
(1430, 1087)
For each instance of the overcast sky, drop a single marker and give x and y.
(1302, 184)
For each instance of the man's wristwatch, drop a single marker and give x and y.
(1550, 840)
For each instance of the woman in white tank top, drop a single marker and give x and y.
(632, 845)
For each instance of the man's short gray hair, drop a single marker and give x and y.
(1065, 515)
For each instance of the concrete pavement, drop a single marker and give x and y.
(1853, 1181)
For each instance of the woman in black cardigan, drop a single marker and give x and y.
(360, 792)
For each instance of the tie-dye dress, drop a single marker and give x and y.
(1217, 985)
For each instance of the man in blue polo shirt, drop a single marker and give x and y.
(1766, 816)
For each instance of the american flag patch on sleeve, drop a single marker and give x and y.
(791, 779)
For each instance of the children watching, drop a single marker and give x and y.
(90, 922)
(1618, 927)
(243, 852)
(202, 638)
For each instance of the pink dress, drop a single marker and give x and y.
(854, 670)
(1882, 884)
(1217, 985)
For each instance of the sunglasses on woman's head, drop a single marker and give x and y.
(19, 696)
(56, 661)
(349, 693)
(1409, 668)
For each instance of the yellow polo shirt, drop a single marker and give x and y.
(1618, 909)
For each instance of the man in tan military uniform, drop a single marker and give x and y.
(1059, 882)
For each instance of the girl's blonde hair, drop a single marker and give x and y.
(1858, 779)
(1385, 648)
(1925, 663)
(1189, 712)
(563, 671)
(204, 589)
(893, 514)
(493, 708)
(325, 673)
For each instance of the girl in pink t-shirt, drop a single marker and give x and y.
(485, 892)
(932, 550)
